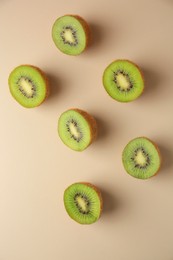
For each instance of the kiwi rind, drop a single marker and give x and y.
(139, 72)
(91, 125)
(158, 153)
(46, 80)
(98, 192)
(85, 27)
(44, 77)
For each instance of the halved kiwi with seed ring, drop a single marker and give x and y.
(123, 80)
(83, 202)
(71, 34)
(141, 158)
(77, 129)
(28, 85)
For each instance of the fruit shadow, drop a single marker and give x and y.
(98, 34)
(110, 203)
(152, 80)
(103, 128)
(166, 156)
(56, 86)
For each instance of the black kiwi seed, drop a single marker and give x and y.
(86, 202)
(23, 91)
(73, 33)
(127, 77)
(78, 130)
(146, 156)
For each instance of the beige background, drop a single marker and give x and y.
(137, 221)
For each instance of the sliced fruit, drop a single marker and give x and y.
(83, 202)
(71, 34)
(77, 129)
(123, 80)
(28, 85)
(141, 158)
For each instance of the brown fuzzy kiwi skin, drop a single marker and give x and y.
(91, 121)
(160, 156)
(142, 74)
(45, 79)
(157, 148)
(98, 193)
(86, 29)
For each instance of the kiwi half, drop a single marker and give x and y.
(77, 129)
(71, 34)
(123, 80)
(28, 85)
(141, 158)
(83, 202)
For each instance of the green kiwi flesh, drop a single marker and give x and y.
(75, 129)
(141, 158)
(123, 80)
(28, 85)
(83, 203)
(70, 34)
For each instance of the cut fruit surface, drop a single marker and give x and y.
(77, 129)
(70, 34)
(141, 158)
(28, 85)
(83, 202)
(123, 80)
